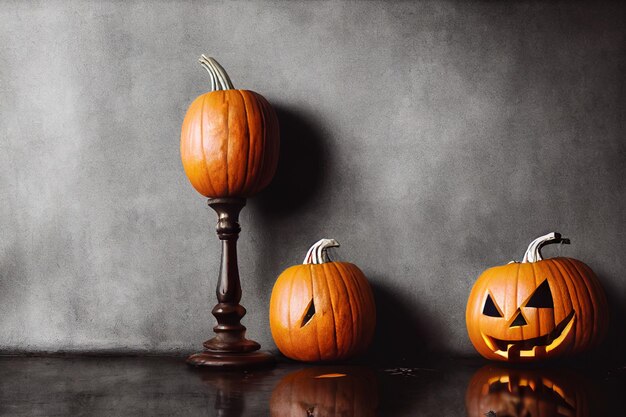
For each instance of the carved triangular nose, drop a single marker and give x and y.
(519, 320)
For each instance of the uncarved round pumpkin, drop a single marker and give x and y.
(536, 309)
(326, 391)
(229, 140)
(322, 310)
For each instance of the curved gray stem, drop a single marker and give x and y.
(317, 254)
(210, 71)
(221, 72)
(533, 253)
(219, 78)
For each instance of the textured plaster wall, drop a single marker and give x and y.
(432, 139)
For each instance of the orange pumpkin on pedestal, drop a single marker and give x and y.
(322, 310)
(229, 142)
(536, 309)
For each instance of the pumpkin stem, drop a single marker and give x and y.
(219, 78)
(318, 254)
(533, 253)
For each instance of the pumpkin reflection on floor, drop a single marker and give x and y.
(512, 392)
(326, 391)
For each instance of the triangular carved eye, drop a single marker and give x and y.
(490, 308)
(542, 298)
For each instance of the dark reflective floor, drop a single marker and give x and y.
(165, 386)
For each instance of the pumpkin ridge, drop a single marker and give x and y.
(359, 295)
(564, 295)
(342, 274)
(506, 297)
(589, 299)
(518, 310)
(510, 315)
(537, 313)
(563, 288)
(311, 279)
(332, 307)
(275, 306)
(331, 282)
(554, 319)
(537, 280)
(291, 282)
(590, 294)
(359, 323)
(488, 277)
(245, 166)
(255, 149)
(226, 138)
(576, 305)
(349, 346)
(315, 283)
(584, 300)
(204, 167)
(262, 157)
(547, 323)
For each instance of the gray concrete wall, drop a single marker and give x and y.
(432, 139)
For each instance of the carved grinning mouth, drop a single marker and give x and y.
(530, 347)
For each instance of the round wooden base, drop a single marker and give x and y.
(230, 360)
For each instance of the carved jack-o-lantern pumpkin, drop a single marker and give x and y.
(326, 391)
(539, 308)
(322, 310)
(526, 393)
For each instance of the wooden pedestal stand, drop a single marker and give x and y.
(229, 348)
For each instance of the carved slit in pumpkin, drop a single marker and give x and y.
(308, 315)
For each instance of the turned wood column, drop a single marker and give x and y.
(229, 347)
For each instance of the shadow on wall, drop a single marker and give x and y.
(402, 335)
(293, 193)
(301, 167)
(613, 349)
